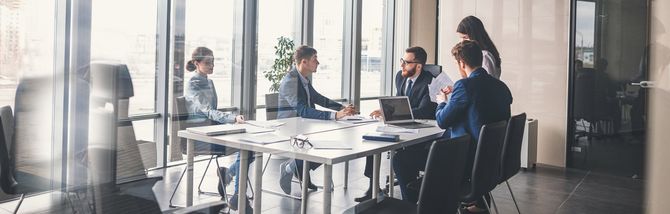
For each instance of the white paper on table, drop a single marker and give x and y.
(329, 144)
(265, 124)
(394, 129)
(438, 83)
(356, 119)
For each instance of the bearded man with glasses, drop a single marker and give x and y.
(412, 81)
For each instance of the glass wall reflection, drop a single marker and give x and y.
(609, 108)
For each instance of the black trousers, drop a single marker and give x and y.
(406, 163)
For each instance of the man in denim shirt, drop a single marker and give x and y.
(297, 97)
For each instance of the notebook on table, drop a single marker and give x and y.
(398, 112)
(217, 129)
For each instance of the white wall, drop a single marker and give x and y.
(532, 38)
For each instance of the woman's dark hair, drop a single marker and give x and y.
(199, 54)
(474, 28)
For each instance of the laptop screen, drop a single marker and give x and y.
(395, 109)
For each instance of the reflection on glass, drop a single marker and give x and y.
(26, 86)
(128, 39)
(608, 111)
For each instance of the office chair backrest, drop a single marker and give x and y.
(486, 167)
(8, 126)
(7, 181)
(511, 152)
(445, 168)
(434, 70)
(183, 118)
(271, 106)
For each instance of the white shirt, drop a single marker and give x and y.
(489, 64)
(413, 79)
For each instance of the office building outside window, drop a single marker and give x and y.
(328, 36)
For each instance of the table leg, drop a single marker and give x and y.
(375, 175)
(346, 175)
(242, 185)
(305, 187)
(189, 172)
(258, 183)
(391, 174)
(327, 190)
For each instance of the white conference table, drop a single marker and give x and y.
(348, 135)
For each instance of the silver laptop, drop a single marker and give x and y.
(398, 112)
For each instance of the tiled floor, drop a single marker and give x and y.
(543, 190)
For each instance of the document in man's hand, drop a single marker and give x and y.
(217, 129)
(265, 138)
(438, 83)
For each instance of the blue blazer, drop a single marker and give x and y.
(477, 100)
(422, 107)
(293, 99)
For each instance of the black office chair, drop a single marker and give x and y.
(511, 152)
(182, 117)
(486, 164)
(7, 181)
(435, 70)
(440, 187)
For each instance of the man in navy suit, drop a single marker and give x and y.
(297, 97)
(412, 81)
(477, 99)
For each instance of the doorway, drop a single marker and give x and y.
(608, 107)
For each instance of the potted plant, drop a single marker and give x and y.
(283, 62)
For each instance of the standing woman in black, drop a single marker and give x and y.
(471, 28)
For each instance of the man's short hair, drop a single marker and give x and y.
(303, 52)
(469, 52)
(420, 54)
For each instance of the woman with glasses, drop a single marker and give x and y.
(202, 101)
(471, 28)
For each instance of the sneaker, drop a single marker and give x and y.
(310, 185)
(232, 203)
(286, 170)
(226, 178)
(365, 197)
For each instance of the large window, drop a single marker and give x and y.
(27, 86)
(123, 32)
(275, 19)
(371, 47)
(328, 36)
(130, 39)
(209, 23)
